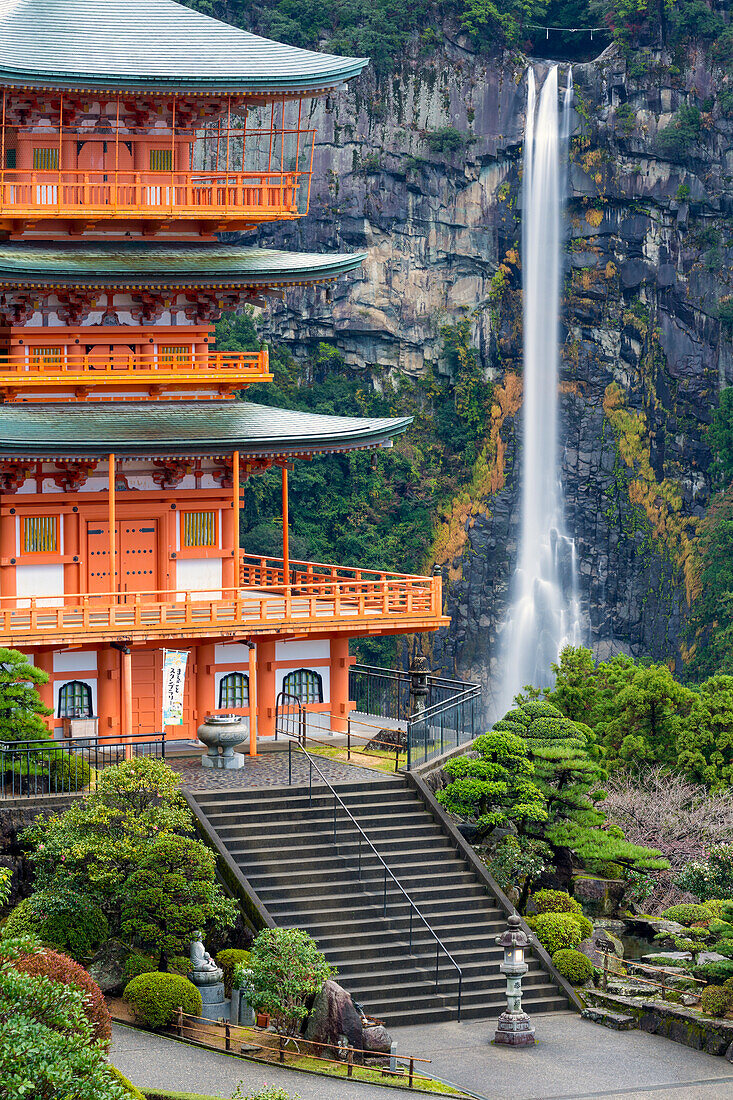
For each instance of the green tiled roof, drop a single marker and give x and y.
(94, 429)
(143, 264)
(149, 43)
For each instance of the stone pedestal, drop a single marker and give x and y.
(214, 1005)
(514, 1029)
(208, 979)
(231, 762)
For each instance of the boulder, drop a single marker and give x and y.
(108, 967)
(377, 1039)
(607, 939)
(334, 1014)
(600, 897)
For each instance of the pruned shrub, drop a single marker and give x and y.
(61, 918)
(155, 998)
(145, 964)
(60, 968)
(715, 1000)
(687, 914)
(556, 931)
(68, 772)
(573, 965)
(127, 1085)
(714, 907)
(719, 970)
(228, 960)
(555, 901)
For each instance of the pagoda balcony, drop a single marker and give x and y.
(217, 201)
(319, 600)
(23, 373)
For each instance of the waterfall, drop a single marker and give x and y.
(544, 613)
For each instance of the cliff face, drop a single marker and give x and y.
(422, 170)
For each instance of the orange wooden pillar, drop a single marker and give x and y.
(43, 659)
(7, 552)
(266, 688)
(206, 701)
(108, 691)
(340, 705)
(286, 526)
(252, 701)
(126, 678)
(72, 568)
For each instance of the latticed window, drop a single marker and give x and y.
(199, 528)
(234, 690)
(161, 160)
(46, 160)
(75, 700)
(45, 358)
(40, 534)
(306, 684)
(170, 354)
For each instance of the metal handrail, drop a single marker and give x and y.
(440, 946)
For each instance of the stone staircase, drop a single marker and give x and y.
(283, 844)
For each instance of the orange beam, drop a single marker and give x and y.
(235, 506)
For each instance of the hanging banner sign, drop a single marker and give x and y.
(174, 680)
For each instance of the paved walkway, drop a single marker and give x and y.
(573, 1059)
(268, 770)
(153, 1061)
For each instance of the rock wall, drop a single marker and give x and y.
(644, 356)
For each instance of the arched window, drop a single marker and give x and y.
(234, 690)
(75, 700)
(306, 684)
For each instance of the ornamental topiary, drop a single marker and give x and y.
(62, 918)
(714, 907)
(715, 1000)
(155, 998)
(68, 772)
(573, 965)
(556, 931)
(60, 968)
(555, 901)
(687, 914)
(228, 960)
(145, 964)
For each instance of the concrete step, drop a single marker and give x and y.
(617, 1021)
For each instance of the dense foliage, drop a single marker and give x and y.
(171, 893)
(573, 965)
(286, 969)
(47, 1045)
(558, 931)
(711, 877)
(61, 917)
(641, 714)
(154, 999)
(229, 960)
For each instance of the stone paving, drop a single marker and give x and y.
(268, 770)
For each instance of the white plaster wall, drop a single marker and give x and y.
(201, 576)
(303, 652)
(232, 654)
(74, 660)
(40, 581)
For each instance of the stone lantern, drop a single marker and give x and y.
(514, 1028)
(419, 684)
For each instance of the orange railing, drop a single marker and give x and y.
(124, 194)
(34, 369)
(408, 602)
(313, 576)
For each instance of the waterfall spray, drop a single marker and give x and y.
(544, 613)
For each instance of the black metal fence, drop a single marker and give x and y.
(33, 769)
(450, 717)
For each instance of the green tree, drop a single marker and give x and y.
(286, 969)
(96, 844)
(20, 706)
(705, 744)
(485, 20)
(495, 787)
(720, 437)
(171, 894)
(567, 771)
(651, 712)
(47, 1047)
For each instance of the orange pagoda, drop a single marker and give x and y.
(133, 133)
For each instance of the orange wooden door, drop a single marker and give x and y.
(147, 675)
(98, 578)
(137, 547)
(137, 556)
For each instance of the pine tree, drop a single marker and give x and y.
(20, 706)
(568, 772)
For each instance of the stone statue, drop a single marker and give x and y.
(203, 966)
